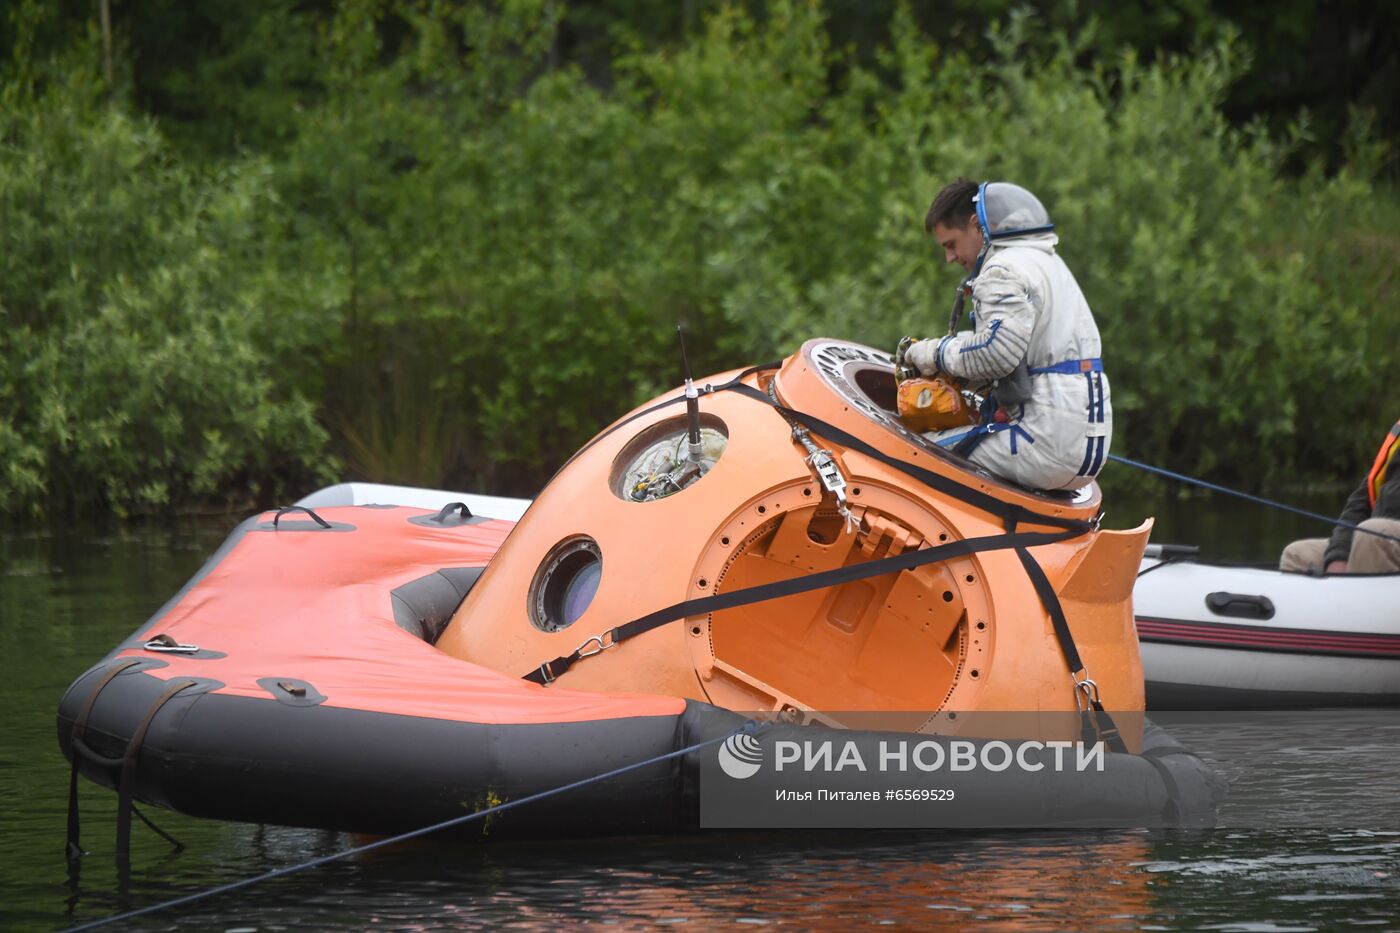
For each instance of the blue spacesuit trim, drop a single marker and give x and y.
(991, 335)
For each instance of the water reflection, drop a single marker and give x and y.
(1012, 882)
(66, 597)
(1016, 882)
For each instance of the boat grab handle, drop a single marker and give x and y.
(451, 507)
(1240, 605)
(298, 508)
(1171, 551)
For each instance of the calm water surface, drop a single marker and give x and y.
(66, 596)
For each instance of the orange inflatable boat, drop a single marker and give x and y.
(769, 557)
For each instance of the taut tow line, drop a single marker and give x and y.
(1259, 500)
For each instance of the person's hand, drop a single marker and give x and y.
(902, 369)
(922, 357)
(1336, 566)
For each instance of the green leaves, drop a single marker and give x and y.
(131, 348)
(447, 257)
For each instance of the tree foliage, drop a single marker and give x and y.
(442, 253)
(132, 373)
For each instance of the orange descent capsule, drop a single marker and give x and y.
(804, 471)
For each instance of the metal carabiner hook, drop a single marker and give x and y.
(1090, 692)
(604, 642)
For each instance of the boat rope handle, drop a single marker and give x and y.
(298, 508)
(748, 728)
(127, 775)
(1258, 500)
(74, 847)
(124, 764)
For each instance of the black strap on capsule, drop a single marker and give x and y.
(550, 670)
(1096, 723)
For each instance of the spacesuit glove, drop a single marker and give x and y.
(902, 367)
(923, 356)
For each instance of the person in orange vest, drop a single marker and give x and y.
(1374, 506)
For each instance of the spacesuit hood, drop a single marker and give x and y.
(1009, 215)
(1005, 210)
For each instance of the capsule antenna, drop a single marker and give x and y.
(692, 403)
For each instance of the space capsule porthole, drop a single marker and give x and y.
(565, 583)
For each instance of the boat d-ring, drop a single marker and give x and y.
(167, 643)
(604, 641)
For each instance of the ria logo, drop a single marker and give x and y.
(740, 756)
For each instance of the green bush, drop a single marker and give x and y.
(131, 376)
(462, 258)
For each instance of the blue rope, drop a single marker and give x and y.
(413, 834)
(1258, 499)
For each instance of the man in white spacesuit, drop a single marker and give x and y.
(1033, 344)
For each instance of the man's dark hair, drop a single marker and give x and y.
(953, 205)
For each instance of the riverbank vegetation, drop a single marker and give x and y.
(427, 243)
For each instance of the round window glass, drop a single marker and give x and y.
(578, 592)
(565, 584)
